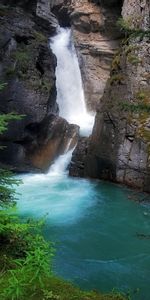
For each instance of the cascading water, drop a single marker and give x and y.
(70, 94)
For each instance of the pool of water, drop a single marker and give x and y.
(102, 238)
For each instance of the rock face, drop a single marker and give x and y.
(120, 144)
(96, 39)
(27, 66)
(77, 165)
(45, 16)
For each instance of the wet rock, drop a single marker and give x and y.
(44, 15)
(49, 139)
(42, 144)
(77, 165)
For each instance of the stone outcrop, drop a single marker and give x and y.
(77, 165)
(44, 15)
(27, 66)
(42, 143)
(120, 144)
(96, 39)
(58, 137)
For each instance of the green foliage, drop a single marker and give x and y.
(30, 257)
(6, 118)
(22, 57)
(126, 27)
(10, 71)
(116, 78)
(133, 59)
(45, 86)
(2, 86)
(116, 62)
(7, 191)
(143, 95)
(135, 107)
(39, 37)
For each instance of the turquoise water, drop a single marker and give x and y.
(102, 238)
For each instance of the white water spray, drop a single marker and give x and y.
(70, 95)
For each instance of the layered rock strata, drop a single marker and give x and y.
(96, 39)
(120, 144)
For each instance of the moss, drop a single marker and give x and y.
(116, 62)
(58, 289)
(143, 95)
(39, 37)
(126, 25)
(10, 71)
(22, 58)
(45, 86)
(116, 78)
(134, 107)
(133, 59)
(66, 291)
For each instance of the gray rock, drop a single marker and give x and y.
(119, 146)
(28, 67)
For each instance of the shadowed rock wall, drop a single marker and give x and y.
(27, 66)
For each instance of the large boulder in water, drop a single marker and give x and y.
(42, 144)
(55, 136)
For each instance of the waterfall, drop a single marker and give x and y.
(70, 94)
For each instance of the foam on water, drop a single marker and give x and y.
(64, 200)
(95, 227)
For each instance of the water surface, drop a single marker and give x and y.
(101, 237)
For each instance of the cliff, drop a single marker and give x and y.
(115, 67)
(27, 67)
(96, 39)
(119, 148)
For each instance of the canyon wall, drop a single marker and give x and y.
(27, 67)
(96, 39)
(115, 67)
(119, 148)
